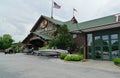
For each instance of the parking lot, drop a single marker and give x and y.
(28, 66)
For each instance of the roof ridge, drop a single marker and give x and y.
(96, 18)
(51, 18)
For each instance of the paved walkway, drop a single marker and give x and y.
(28, 66)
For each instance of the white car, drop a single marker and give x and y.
(52, 52)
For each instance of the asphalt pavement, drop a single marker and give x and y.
(29, 66)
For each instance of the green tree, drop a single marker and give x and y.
(1, 43)
(17, 47)
(5, 41)
(63, 39)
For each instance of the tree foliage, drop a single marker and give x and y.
(63, 39)
(17, 47)
(5, 41)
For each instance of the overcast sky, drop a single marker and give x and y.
(17, 17)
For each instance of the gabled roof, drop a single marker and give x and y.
(92, 23)
(79, 26)
(47, 18)
(97, 22)
(71, 26)
(30, 35)
(44, 36)
(53, 20)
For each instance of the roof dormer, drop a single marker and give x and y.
(73, 20)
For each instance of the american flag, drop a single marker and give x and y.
(56, 5)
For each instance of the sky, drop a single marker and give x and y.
(17, 17)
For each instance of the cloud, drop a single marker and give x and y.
(17, 17)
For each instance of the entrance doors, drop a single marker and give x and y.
(101, 44)
(106, 46)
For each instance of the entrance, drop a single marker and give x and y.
(106, 46)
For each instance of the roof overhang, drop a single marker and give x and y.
(44, 36)
(103, 27)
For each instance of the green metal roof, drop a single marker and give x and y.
(92, 23)
(71, 27)
(97, 22)
(44, 36)
(54, 20)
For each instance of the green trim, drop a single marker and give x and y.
(101, 49)
(110, 47)
(93, 47)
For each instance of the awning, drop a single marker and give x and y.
(44, 36)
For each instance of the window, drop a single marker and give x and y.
(115, 45)
(74, 35)
(89, 45)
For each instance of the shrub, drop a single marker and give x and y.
(81, 57)
(76, 57)
(117, 61)
(63, 55)
(67, 58)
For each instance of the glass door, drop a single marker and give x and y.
(105, 47)
(115, 46)
(98, 49)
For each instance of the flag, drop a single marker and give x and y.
(74, 9)
(56, 6)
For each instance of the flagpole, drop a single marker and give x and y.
(52, 10)
(73, 12)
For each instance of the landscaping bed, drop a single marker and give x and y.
(70, 57)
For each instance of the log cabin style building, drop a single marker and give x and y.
(100, 37)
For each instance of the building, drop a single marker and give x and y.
(100, 37)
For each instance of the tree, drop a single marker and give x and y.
(5, 41)
(17, 47)
(63, 39)
(1, 43)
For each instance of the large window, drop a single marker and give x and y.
(97, 45)
(89, 45)
(115, 45)
(105, 46)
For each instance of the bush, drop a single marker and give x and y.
(74, 58)
(81, 57)
(117, 61)
(67, 58)
(77, 58)
(63, 55)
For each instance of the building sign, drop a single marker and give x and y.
(46, 28)
(44, 24)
